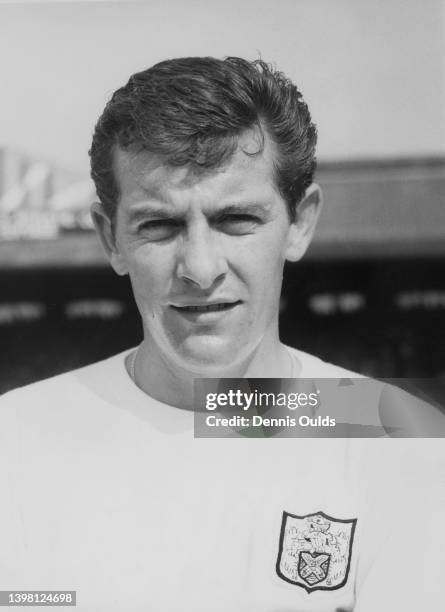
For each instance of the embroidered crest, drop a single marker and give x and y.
(315, 550)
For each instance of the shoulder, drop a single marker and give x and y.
(399, 406)
(64, 388)
(314, 367)
(66, 411)
(412, 411)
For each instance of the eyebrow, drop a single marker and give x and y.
(242, 207)
(156, 211)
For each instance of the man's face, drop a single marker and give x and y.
(205, 253)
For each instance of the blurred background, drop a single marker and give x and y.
(370, 295)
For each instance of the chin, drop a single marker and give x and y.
(208, 354)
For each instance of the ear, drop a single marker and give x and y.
(104, 228)
(302, 229)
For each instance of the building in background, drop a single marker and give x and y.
(38, 200)
(370, 294)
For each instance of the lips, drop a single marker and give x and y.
(203, 308)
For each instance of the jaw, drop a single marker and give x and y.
(211, 354)
(168, 375)
(206, 354)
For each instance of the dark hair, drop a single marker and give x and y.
(192, 110)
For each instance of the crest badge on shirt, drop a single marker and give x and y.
(315, 550)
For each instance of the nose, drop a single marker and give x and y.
(201, 261)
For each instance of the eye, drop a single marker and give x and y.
(159, 229)
(238, 224)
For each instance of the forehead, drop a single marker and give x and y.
(250, 170)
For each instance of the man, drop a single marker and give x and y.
(204, 173)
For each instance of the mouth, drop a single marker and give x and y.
(203, 308)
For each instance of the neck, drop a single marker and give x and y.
(172, 384)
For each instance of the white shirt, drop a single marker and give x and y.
(105, 491)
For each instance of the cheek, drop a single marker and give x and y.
(264, 264)
(150, 273)
(263, 272)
